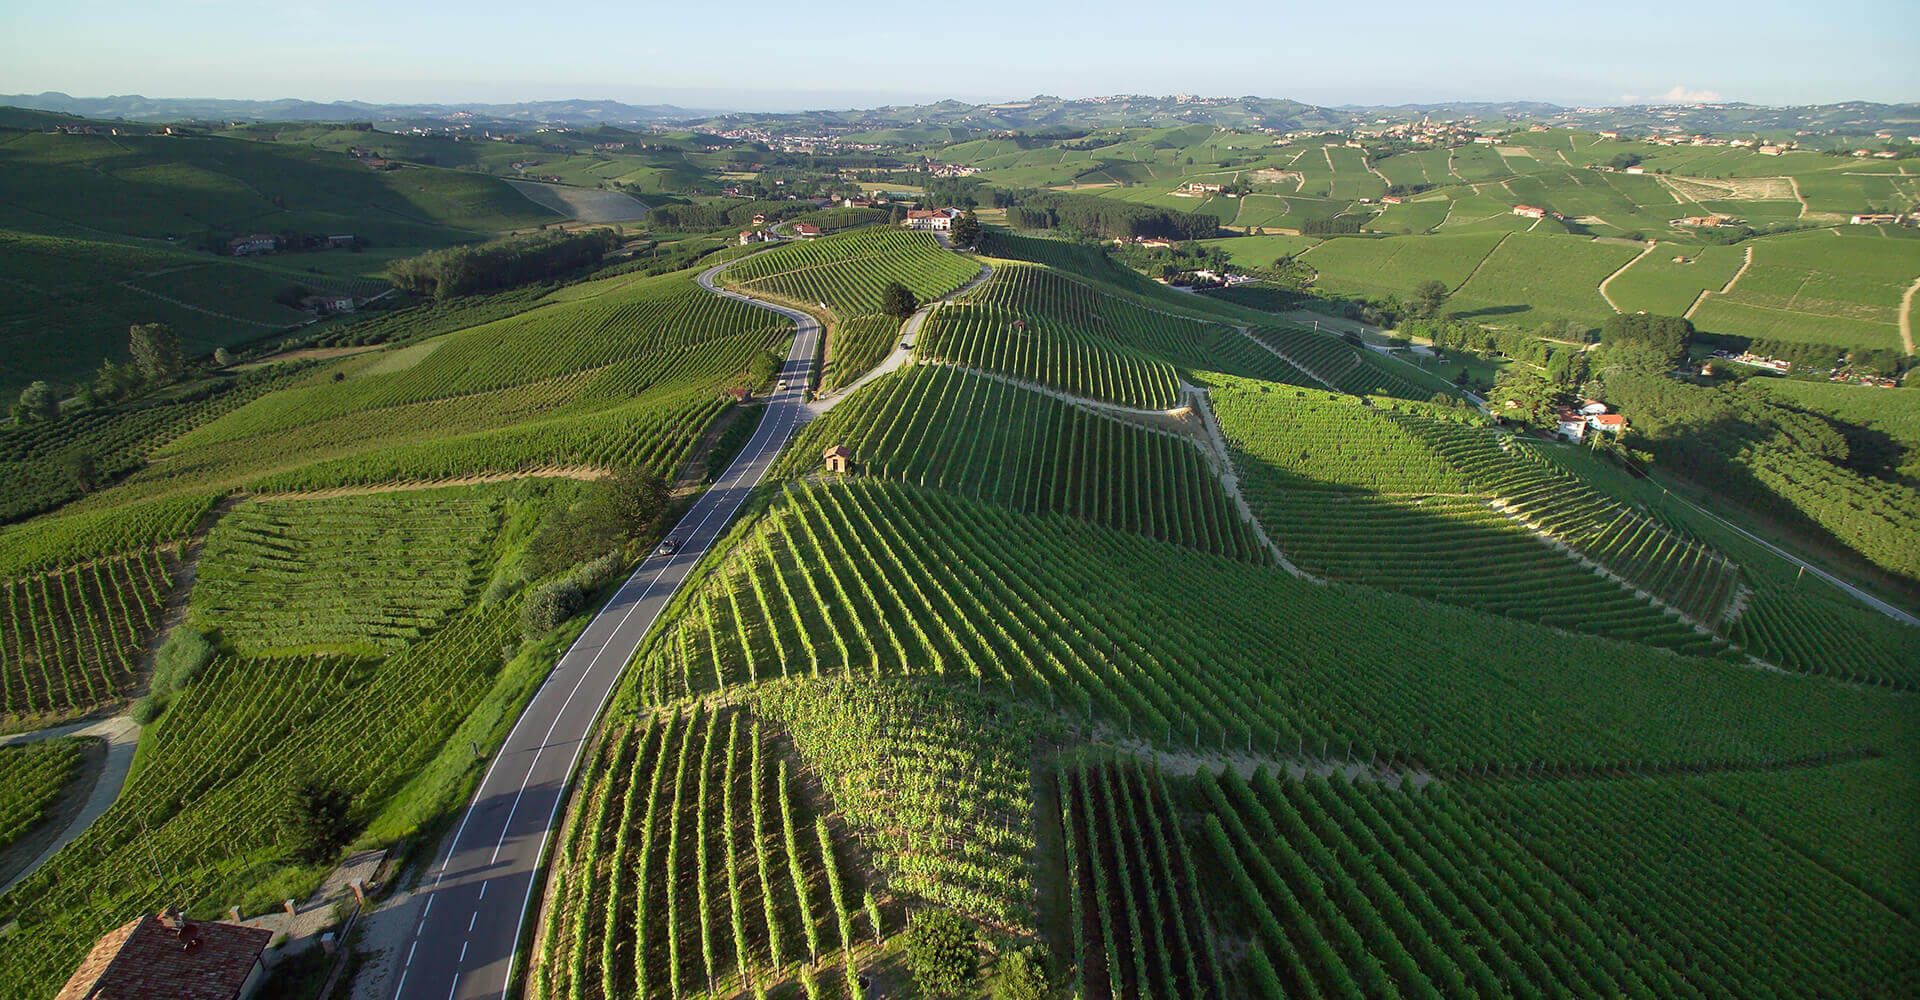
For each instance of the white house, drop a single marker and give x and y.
(938, 220)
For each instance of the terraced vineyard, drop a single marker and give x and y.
(1341, 365)
(863, 577)
(61, 540)
(1139, 929)
(696, 866)
(71, 639)
(1047, 353)
(1122, 322)
(856, 346)
(847, 271)
(32, 776)
(1359, 890)
(1008, 445)
(376, 571)
(1440, 509)
(218, 760)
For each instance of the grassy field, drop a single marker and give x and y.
(1530, 278)
(1839, 286)
(1659, 283)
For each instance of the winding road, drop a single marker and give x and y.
(476, 897)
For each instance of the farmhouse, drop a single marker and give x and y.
(1770, 150)
(1488, 140)
(1197, 187)
(1636, 170)
(168, 956)
(806, 230)
(1609, 135)
(1875, 219)
(938, 220)
(1612, 423)
(838, 458)
(1530, 211)
(1391, 199)
(1572, 425)
(258, 243)
(759, 220)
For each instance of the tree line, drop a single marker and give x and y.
(1107, 218)
(516, 260)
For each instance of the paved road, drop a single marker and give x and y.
(476, 897)
(122, 735)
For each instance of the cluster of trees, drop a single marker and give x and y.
(155, 359)
(1107, 218)
(516, 260)
(1664, 336)
(1344, 225)
(720, 215)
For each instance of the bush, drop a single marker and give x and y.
(940, 951)
(314, 820)
(186, 650)
(550, 605)
(145, 709)
(1021, 977)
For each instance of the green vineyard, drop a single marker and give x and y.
(1448, 511)
(71, 639)
(868, 578)
(60, 540)
(848, 271)
(219, 759)
(381, 571)
(855, 346)
(32, 776)
(697, 867)
(1127, 323)
(1047, 353)
(1359, 890)
(1341, 365)
(940, 427)
(1139, 929)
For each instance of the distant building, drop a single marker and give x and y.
(1530, 211)
(1609, 135)
(759, 220)
(938, 220)
(1391, 199)
(1572, 426)
(168, 957)
(839, 458)
(258, 243)
(1488, 140)
(1592, 406)
(806, 230)
(1636, 170)
(1612, 423)
(1875, 219)
(1770, 150)
(340, 240)
(1196, 187)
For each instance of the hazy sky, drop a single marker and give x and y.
(783, 56)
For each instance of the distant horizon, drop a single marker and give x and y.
(1658, 101)
(759, 56)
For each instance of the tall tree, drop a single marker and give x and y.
(966, 229)
(156, 351)
(39, 402)
(897, 300)
(1428, 297)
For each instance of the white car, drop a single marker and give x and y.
(783, 385)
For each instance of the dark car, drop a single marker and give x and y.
(668, 547)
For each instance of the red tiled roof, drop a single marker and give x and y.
(148, 960)
(1609, 419)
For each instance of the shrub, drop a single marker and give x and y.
(1021, 977)
(145, 709)
(550, 605)
(314, 821)
(179, 659)
(940, 951)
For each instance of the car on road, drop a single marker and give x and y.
(904, 346)
(783, 385)
(668, 547)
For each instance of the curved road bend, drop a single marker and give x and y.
(475, 899)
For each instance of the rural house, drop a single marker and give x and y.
(805, 230)
(1572, 425)
(1612, 423)
(168, 957)
(938, 220)
(1530, 211)
(258, 243)
(839, 458)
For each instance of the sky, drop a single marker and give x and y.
(763, 56)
